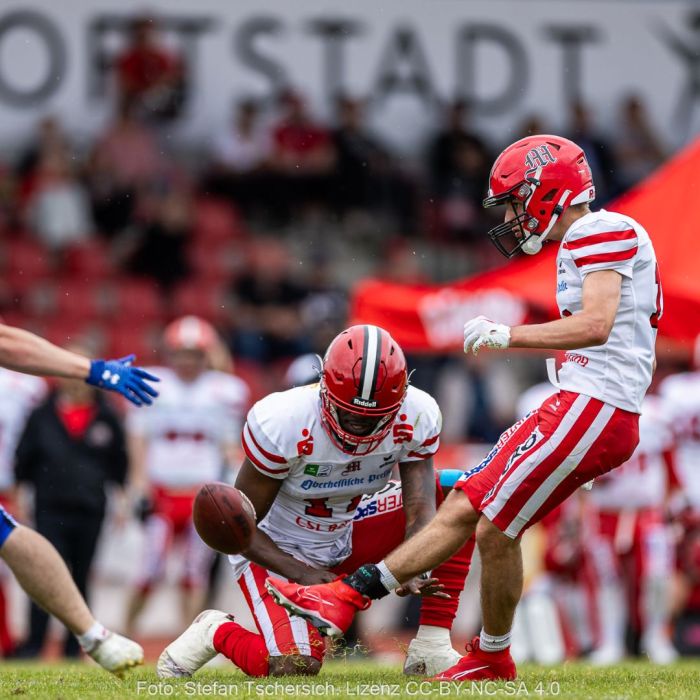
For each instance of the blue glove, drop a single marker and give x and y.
(120, 376)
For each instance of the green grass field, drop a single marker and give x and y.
(354, 680)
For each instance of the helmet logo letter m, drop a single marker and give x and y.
(539, 157)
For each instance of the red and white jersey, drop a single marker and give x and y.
(189, 425)
(19, 395)
(619, 371)
(312, 516)
(642, 481)
(681, 395)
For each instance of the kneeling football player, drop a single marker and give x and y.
(313, 454)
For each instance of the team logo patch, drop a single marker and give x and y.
(352, 467)
(306, 445)
(318, 469)
(539, 157)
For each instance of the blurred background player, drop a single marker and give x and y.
(681, 396)
(630, 544)
(19, 394)
(36, 564)
(188, 438)
(72, 450)
(318, 464)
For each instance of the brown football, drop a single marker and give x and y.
(224, 518)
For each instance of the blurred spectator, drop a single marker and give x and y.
(58, 209)
(367, 176)
(639, 149)
(73, 445)
(161, 244)
(531, 125)
(126, 160)
(599, 152)
(360, 156)
(459, 165)
(150, 76)
(246, 144)
(303, 157)
(446, 150)
(50, 139)
(240, 157)
(324, 309)
(267, 306)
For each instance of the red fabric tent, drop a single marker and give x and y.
(424, 318)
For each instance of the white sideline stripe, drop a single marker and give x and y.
(527, 466)
(370, 361)
(548, 486)
(260, 612)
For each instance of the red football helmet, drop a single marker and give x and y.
(189, 333)
(364, 373)
(546, 175)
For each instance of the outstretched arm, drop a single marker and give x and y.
(25, 352)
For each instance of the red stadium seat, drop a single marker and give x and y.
(200, 298)
(90, 259)
(141, 340)
(27, 259)
(217, 220)
(215, 261)
(79, 299)
(137, 300)
(63, 331)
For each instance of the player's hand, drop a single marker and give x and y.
(311, 577)
(481, 332)
(120, 376)
(423, 586)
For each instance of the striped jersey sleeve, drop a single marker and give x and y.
(427, 422)
(262, 442)
(610, 246)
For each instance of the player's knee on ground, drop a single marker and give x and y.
(294, 665)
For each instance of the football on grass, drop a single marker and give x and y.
(224, 518)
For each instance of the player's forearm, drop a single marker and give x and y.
(418, 516)
(264, 552)
(25, 352)
(577, 331)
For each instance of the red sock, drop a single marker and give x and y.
(6, 643)
(440, 612)
(246, 649)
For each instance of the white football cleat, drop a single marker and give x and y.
(607, 655)
(193, 648)
(428, 658)
(116, 653)
(659, 649)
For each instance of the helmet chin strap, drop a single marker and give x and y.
(533, 244)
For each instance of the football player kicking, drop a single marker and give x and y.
(609, 299)
(312, 454)
(35, 563)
